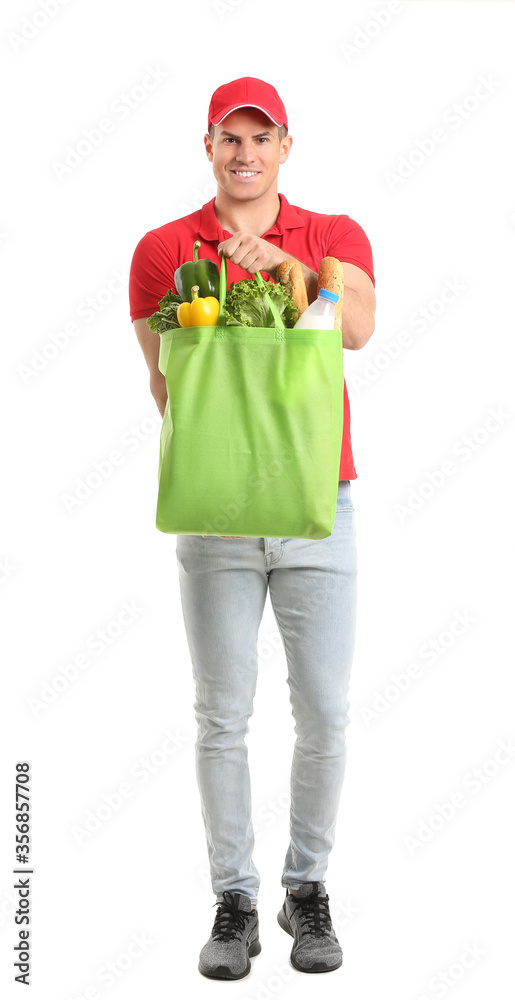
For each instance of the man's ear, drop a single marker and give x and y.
(208, 143)
(285, 148)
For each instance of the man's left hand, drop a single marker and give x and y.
(252, 253)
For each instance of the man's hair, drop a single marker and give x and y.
(282, 131)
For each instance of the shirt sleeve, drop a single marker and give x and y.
(150, 277)
(349, 242)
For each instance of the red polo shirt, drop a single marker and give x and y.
(308, 236)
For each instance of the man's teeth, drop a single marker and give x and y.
(245, 173)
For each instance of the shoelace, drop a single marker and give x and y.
(314, 914)
(229, 922)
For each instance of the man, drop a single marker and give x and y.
(312, 583)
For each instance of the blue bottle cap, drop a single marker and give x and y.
(324, 293)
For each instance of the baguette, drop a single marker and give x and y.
(331, 276)
(291, 275)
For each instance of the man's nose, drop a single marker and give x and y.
(245, 152)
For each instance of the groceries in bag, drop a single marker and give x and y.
(202, 273)
(290, 275)
(320, 314)
(198, 312)
(246, 304)
(331, 276)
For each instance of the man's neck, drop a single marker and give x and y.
(256, 216)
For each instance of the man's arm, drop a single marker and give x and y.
(150, 343)
(359, 299)
(359, 307)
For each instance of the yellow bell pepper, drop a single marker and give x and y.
(198, 312)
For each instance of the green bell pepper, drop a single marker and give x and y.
(203, 273)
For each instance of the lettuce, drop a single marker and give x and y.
(246, 305)
(166, 319)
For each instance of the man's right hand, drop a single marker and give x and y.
(158, 390)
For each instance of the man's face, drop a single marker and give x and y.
(246, 153)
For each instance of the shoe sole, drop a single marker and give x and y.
(223, 971)
(283, 922)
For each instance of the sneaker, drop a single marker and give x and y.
(234, 939)
(306, 917)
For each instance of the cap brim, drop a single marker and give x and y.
(237, 107)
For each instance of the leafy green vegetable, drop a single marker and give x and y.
(245, 304)
(166, 318)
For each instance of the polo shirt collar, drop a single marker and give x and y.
(210, 228)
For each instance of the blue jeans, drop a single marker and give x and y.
(223, 585)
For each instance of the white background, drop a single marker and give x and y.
(360, 96)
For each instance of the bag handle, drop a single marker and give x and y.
(279, 325)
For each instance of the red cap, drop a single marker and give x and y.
(247, 92)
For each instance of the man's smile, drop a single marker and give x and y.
(245, 173)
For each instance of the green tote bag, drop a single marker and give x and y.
(252, 431)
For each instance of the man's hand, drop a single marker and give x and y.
(252, 253)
